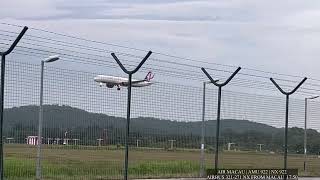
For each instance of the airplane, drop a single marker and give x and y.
(111, 81)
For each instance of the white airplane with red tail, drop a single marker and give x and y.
(111, 81)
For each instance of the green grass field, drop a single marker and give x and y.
(79, 162)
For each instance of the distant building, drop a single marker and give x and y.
(50, 140)
(32, 140)
(66, 141)
(57, 141)
(9, 140)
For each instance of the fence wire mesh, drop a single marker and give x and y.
(84, 124)
(84, 128)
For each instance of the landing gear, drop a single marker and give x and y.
(118, 87)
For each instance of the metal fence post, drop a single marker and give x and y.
(130, 73)
(216, 160)
(305, 134)
(203, 130)
(305, 131)
(287, 94)
(40, 122)
(38, 166)
(286, 133)
(3, 61)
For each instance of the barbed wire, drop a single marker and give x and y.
(182, 64)
(160, 53)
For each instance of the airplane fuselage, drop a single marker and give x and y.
(112, 81)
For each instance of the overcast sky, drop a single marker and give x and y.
(272, 35)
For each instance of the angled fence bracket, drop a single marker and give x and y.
(287, 116)
(219, 85)
(130, 73)
(3, 66)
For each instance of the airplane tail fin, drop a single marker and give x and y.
(149, 76)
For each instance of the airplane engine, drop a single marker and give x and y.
(110, 85)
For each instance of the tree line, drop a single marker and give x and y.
(72, 123)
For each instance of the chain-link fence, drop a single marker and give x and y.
(84, 124)
(84, 128)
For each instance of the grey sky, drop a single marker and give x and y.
(280, 36)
